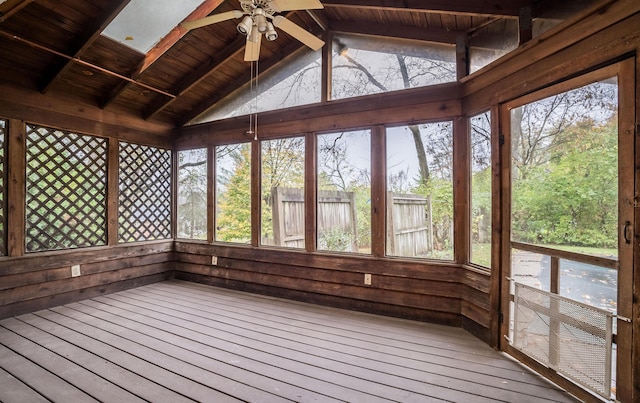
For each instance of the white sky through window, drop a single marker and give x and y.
(143, 23)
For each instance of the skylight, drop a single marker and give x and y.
(143, 23)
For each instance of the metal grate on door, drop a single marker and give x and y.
(572, 338)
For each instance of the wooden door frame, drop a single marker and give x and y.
(625, 72)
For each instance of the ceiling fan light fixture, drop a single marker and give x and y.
(271, 34)
(261, 20)
(245, 25)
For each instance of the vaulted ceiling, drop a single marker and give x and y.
(56, 46)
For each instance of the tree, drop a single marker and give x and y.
(233, 210)
(192, 193)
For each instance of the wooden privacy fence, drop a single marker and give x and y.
(409, 226)
(336, 212)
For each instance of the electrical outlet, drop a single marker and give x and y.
(214, 260)
(75, 270)
(367, 279)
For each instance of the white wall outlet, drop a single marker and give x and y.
(214, 260)
(367, 279)
(75, 270)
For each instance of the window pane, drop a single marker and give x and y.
(565, 170)
(233, 193)
(66, 203)
(491, 42)
(295, 83)
(192, 194)
(344, 192)
(364, 66)
(145, 193)
(283, 192)
(420, 191)
(481, 189)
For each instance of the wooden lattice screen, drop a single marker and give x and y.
(3, 248)
(145, 193)
(66, 201)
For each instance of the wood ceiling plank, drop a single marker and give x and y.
(177, 33)
(507, 8)
(83, 42)
(163, 47)
(198, 75)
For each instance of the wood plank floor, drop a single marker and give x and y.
(178, 341)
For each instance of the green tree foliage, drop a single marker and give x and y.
(233, 223)
(571, 199)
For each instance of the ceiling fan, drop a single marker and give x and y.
(260, 18)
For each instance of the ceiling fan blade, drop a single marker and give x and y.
(252, 48)
(297, 32)
(291, 5)
(212, 19)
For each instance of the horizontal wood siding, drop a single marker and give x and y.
(404, 289)
(43, 280)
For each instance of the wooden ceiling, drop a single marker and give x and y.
(55, 47)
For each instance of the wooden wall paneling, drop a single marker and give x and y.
(461, 189)
(28, 105)
(211, 193)
(338, 301)
(113, 171)
(52, 260)
(16, 187)
(428, 270)
(378, 191)
(496, 225)
(83, 293)
(311, 189)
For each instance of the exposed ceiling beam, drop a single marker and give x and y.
(161, 48)
(83, 42)
(265, 66)
(401, 32)
(108, 72)
(319, 19)
(191, 80)
(509, 8)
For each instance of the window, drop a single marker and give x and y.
(145, 193)
(344, 192)
(565, 170)
(296, 83)
(491, 42)
(192, 194)
(66, 199)
(233, 193)
(481, 189)
(420, 191)
(364, 66)
(283, 214)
